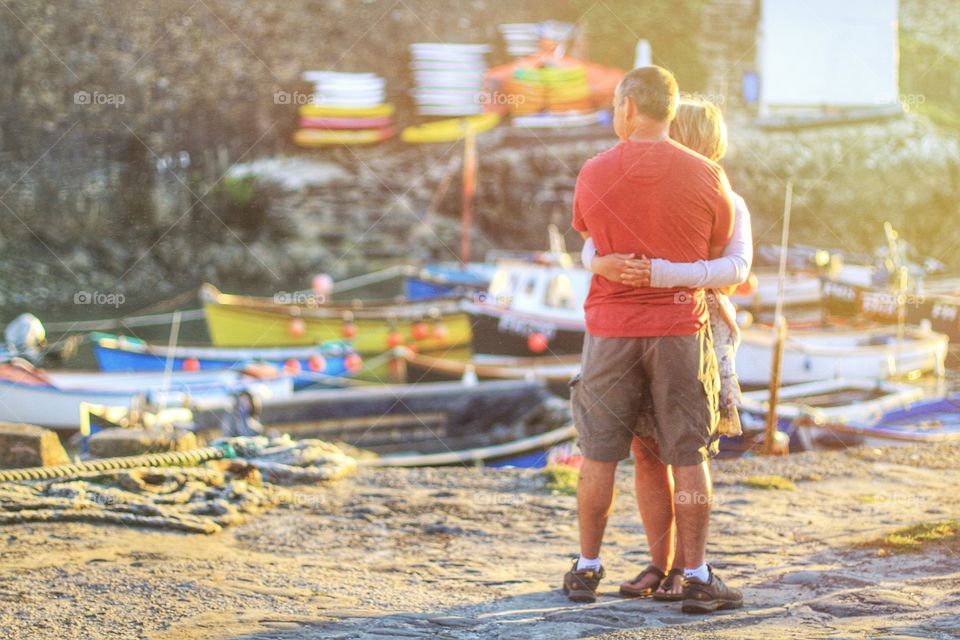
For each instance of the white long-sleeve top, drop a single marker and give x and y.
(731, 268)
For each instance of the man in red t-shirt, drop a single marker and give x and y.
(648, 352)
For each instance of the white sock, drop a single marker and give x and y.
(701, 573)
(588, 563)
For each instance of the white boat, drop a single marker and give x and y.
(54, 399)
(527, 298)
(821, 354)
(801, 289)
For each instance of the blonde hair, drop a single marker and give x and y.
(699, 126)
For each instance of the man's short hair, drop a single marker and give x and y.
(653, 90)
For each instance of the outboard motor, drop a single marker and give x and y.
(25, 337)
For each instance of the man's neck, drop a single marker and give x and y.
(649, 132)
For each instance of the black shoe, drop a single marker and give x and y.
(581, 586)
(707, 597)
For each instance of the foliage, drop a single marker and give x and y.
(919, 537)
(770, 482)
(673, 29)
(561, 478)
(930, 80)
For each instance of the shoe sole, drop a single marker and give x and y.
(667, 597)
(709, 606)
(580, 596)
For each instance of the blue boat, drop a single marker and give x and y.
(446, 280)
(325, 364)
(933, 420)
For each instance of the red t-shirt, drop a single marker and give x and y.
(657, 199)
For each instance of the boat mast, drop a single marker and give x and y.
(779, 329)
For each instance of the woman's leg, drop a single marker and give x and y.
(654, 488)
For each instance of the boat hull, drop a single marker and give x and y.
(59, 406)
(430, 424)
(503, 332)
(125, 355)
(238, 326)
(822, 354)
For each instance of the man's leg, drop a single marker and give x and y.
(684, 385)
(692, 499)
(594, 504)
(604, 400)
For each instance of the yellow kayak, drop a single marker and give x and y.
(449, 130)
(331, 137)
(321, 111)
(551, 75)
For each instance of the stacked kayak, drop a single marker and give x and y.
(448, 78)
(552, 89)
(522, 39)
(347, 109)
(545, 90)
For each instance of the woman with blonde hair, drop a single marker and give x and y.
(699, 126)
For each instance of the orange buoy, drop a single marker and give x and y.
(292, 366)
(748, 287)
(297, 327)
(394, 339)
(440, 332)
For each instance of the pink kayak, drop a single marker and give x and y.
(344, 123)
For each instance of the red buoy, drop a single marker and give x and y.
(537, 342)
(317, 364)
(292, 366)
(353, 363)
(191, 364)
(419, 330)
(349, 330)
(394, 339)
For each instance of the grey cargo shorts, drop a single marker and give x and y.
(664, 387)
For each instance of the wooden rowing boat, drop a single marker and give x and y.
(241, 321)
(512, 422)
(933, 420)
(554, 371)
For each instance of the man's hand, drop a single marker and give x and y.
(624, 268)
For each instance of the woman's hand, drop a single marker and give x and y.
(611, 266)
(637, 272)
(624, 268)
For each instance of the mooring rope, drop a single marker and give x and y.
(193, 457)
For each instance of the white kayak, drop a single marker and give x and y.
(835, 352)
